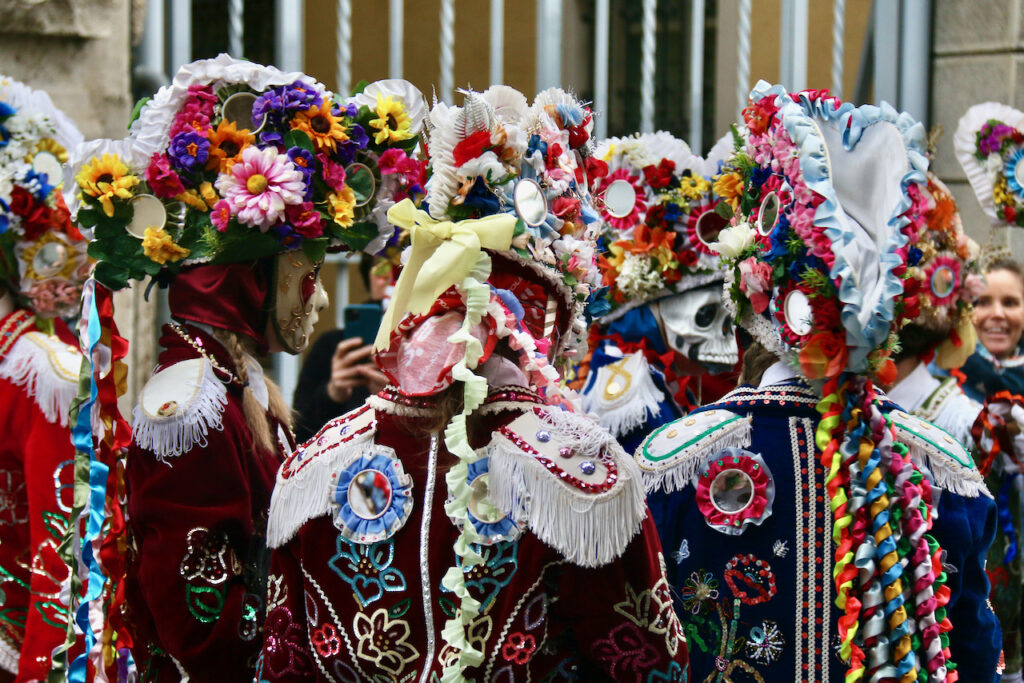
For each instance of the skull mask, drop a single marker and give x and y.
(697, 326)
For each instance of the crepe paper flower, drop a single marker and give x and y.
(472, 147)
(305, 219)
(159, 247)
(226, 144)
(189, 150)
(734, 240)
(662, 175)
(322, 126)
(392, 122)
(162, 179)
(729, 186)
(104, 178)
(756, 282)
(193, 199)
(342, 204)
(260, 186)
(824, 356)
(333, 173)
(221, 215)
(694, 186)
(208, 194)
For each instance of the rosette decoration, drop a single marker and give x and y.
(44, 263)
(502, 248)
(231, 163)
(828, 201)
(237, 161)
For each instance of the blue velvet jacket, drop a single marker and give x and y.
(752, 573)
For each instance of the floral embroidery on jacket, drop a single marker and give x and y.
(384, 641)
(283, 652)
(208, 563)
(626, 653)
(367, 569)
(13, 499)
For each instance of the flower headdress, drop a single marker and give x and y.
(989, 144)
(43, 261)
(652, 192)
(237, 161)
(828, 199)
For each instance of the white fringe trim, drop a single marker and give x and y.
(924, 442)
(632, 406)
(200, 408)
(305, 494)
(588, 529)
(8, 657)
(671, 463)
(39, 364)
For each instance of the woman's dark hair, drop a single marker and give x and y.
(916, 341)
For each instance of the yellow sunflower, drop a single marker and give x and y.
(729, 186)
(693, 187)
(226, 145)
(392, 122)
(105, 178)
(323, 127)
(343, 205)
(160, 247)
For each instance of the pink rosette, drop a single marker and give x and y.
(735, 488)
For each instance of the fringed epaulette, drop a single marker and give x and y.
(301, 492)
(672, 455)
(623, 394)
(950, 464)
(178, 407)
(569, 481)
(47, 369)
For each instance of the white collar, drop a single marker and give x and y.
(914, 389)
(777, 373)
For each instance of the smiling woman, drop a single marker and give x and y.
(999, 312)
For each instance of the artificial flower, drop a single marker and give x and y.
(660, 176)
(226, 145)
(276, 102)
(34, 214)
(305, 219)
(158, 246)
(630, 219)
(162, 179)
(322, 126)
(208, 194)
(192, 198)
(638, 278)
(734, 240)
(824, 356)
(189, 150)
(825, 313)
(333, 173)
(305, 163)
(694, 186)
(887, 373)
(260, 186)
(221, 215)
(392, 122)
(472, 147)
(729, 186)
(104, 178)
(756, 282)
(342, 205)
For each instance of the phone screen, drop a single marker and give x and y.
(363, 320)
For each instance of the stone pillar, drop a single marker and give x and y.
(976, 58)
(79, 51)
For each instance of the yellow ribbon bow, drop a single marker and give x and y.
(442, 254)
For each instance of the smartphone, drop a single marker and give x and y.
(363, 320)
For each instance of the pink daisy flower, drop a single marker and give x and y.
(260, 186)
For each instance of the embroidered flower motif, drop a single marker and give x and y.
(674, 674)
(499, 564)
(367, 569)
(701, 587)
(734, 489)
(208, 557)
(325, 640)
(384, 641)
(626, 653)
(260, 186)
(750, 579)
(13, 498)
(283, 652)
(765, 642)
(518, 648)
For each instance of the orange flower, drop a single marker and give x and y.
(886, 373)
(729, 186)
(322, 127)
(226, 145)
(824, 356)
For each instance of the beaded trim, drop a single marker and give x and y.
(391, 402)
(197, 345)
(781, 394)
(14, 326)
(609, 463)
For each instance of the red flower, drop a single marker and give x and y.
(826, 314)
(688, 258)
(35, 216)
(164, 182)
(565, 208)
(1010, 214)
(578, 135)
(660, 175)
(518, 648)
(656, 216)
(886, 373)
(824, 356)
(596, 169)
(472, 147)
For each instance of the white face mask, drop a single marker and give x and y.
(697, 326)
(298, 299)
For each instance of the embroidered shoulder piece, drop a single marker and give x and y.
(301, 492)
(951, 466)
(623, 394)
(569, 481)
(47, 369)
(672, 456)
(178, 407)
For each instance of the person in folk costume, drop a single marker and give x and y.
(989, 143)
(470, 522)
(664, 320)
(798, 512)
(42, 267)
(232, 183)
(941, 282)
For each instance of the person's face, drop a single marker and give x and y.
(299, 299)
(999, 313)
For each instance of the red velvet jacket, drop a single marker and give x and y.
(198, 494)
(589, 602)
(38, 379)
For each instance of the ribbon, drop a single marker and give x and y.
(442, 254)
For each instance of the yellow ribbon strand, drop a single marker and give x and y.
(442, 254)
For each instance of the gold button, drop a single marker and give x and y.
(167, 409)
(690, 421)
(671, 433)
(613, 388)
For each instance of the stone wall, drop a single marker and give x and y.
(977, 56)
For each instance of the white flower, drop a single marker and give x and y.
(637, 279)
(734, 241)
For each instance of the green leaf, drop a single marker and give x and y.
(724, 209)
(448, 607)
(314, 249)
(357, 236)
(360, 87)
(399, 610)
(296, 138)
(360, 179)
(137, 109)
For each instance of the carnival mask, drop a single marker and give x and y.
(298, 299)
(697, 326)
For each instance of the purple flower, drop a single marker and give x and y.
(357, 140)
(277, 102)
(189, 150)
(305, 162)
(272, 139)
